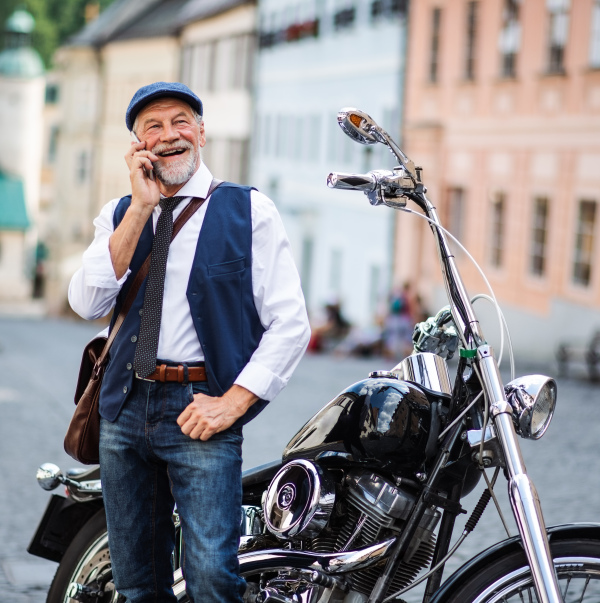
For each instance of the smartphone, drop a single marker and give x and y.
(150, 173)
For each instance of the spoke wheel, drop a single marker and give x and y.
(86, 561)
(509, 580)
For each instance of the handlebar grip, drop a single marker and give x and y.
(354, 182)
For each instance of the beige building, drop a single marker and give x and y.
(206, 44)
(503, 113)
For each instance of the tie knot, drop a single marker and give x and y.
(169, 203)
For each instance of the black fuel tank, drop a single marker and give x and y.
(376, 420)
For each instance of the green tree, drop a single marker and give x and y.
(55, 21)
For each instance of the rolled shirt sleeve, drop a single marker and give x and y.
(279, 301)
(94, 287)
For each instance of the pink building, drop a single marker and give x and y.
(503, 113)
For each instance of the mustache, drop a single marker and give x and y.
(164, 147)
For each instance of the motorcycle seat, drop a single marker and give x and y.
(82, 475)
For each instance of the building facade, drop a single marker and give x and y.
(503, 113)
(315, 58)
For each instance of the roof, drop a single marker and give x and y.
(111, 22)
(195, 10)
(21, 62)
(20, 22)
(162, 20)
(129, 19)
(13, 214)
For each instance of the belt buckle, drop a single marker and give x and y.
(137, 376)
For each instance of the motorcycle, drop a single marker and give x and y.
(367, 493)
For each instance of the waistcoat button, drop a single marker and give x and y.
(129, 366)
(125, 390)
(134, 338)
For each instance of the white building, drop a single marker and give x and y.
(21, 106)
(314, 58)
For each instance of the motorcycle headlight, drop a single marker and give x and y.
(533, 399)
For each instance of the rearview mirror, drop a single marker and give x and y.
(358, 125)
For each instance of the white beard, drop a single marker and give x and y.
(180, 171)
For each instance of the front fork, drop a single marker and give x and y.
(523, 496)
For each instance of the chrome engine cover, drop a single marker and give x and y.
(299, 500)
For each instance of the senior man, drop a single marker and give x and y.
(223, 305)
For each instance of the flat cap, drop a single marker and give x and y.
(151, 92)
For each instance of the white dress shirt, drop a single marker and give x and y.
(275, 283)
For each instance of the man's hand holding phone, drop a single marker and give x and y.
(144, 188)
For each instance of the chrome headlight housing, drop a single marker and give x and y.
(533, 399)
(299, 500)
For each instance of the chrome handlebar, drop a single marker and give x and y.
(382, 187)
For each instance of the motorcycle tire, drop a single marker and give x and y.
(86, 560)
(509, 580)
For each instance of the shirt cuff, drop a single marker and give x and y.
(99, 272)
(260, 381)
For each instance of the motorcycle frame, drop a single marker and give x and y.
(523, 496)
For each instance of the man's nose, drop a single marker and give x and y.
(169, 133)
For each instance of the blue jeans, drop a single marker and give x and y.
(146, 465)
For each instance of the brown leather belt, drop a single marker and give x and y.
(165, 373)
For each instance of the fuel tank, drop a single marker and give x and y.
(380, 420)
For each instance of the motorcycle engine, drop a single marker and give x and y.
(368, 510)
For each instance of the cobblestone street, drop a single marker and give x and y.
(39, 361)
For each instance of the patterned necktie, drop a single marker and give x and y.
(144, 362)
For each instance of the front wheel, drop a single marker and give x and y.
(509, 580)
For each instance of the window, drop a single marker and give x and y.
(198, 66)
(510, 38)
(52, 144)
(558, 33)
(539, 236)
(335, 271)
(238, 160)
(434, 57)
(387, 8)
(374, 288)
(455, 214)
(595, 36)
(306, 271)
(584, 243)
(344, 15)
(497, 227)
(82, 167)
(470, 49)
(51, 94)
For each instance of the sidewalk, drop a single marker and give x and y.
(29, 308)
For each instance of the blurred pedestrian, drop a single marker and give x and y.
(399, 324)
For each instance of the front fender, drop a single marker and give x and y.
(590, 531)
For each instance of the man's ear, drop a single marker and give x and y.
(202, 137)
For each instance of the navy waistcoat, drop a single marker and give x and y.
(220, 298)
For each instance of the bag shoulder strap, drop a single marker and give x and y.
(183, 217)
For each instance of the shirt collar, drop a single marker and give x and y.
(198, 184)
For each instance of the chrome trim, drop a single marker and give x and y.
(286, 514)
(382, 375)
(522, 394)
(275, 559)
(426, 369)
(330, 563)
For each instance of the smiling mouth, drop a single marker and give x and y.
(172, 152)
